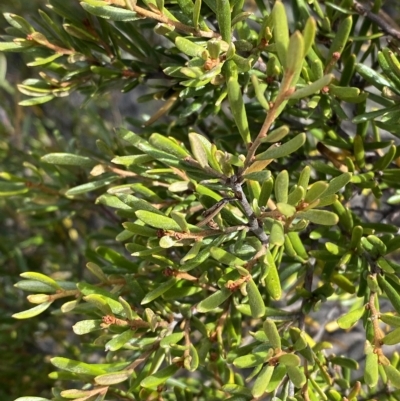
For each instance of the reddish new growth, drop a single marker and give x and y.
(210, 63)
(168, 272)
(270, 79)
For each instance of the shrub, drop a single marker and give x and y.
(231, 232)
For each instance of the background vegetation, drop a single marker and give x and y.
(162, 260)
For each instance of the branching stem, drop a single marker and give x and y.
(178, 25)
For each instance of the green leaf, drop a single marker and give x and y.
(189, 47)
(337, 183)
(277, 134)
(213, 301)
(283, 150)
(68, 159)
(255, 300)
(201, 148)
(340, 40)
(74, 366)
(110, 12)
(157, 220)
(393, 375)
(296, 376)
(90, 186)
(36, 100)
(235, 99)
(272, 280)
(286, 209)
(295, 56)
(272, 333)
(371, 374)
(391, 293)
(119, 341)
(19, 23)
(322, 217)
(251, 360)
(390, 319)
(276, 379)
(32, 399)
(159, 290)
(42, 278)
(392, 338)
(86, 326)
(225, 257)
(344, 362)
(34, 286)
(290, 360)
(262, 381)
(312, 88)
(281, 31)
(277, 235)
(315, 191)
(37, 310)
(191, 362)
(160, 377)
(223, 12)
(168, 145)
(109, 379)
(172, 339)
(282, 186)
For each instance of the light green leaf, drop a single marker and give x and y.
(36, 100)
(157, 220)
(371, 373)
(213, 301)
(283, 150)
(296, 376)
(272, 333)
(160, 377)
(159, 290)
(109, 379)
(262, 381)
(119, 341)
(393, 375)
(172, 339)
(109, 12)
(256, 302)
(42, 278)
(290, 360)
(87, 326)
(68, 159)
(225, 257)
(37, 310)
(322, 217)
(314, 87)
(90, 186)
(281, 31)
(282, 186)
(392, 338)
(32, 399)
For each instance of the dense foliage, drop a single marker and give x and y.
(236, 236)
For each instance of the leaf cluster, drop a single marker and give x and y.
(239, 211)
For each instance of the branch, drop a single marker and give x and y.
(178, 25)
(377, 19)
(255, 225)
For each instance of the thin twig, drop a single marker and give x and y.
(178, 25)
